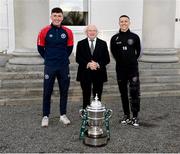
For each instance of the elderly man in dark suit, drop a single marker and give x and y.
(92, 56)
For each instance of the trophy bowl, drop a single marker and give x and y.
(95, 121)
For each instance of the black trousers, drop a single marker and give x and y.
(129, 87)
(88, 87)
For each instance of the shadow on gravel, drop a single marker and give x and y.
(148, 125)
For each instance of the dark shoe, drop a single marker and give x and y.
(125, 120)
(135, 121)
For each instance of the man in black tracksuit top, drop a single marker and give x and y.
(125, 47)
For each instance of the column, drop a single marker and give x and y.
(158, 31)
(177, 25)
(29, 17)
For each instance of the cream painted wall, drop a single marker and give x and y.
(30, 17)
(105, 14)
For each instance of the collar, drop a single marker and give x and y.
(94, 39)
(128, 31)
(53, 26)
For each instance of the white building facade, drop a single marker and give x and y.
(156, 21)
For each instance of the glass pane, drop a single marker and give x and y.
(75, 12)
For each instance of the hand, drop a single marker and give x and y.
(93, 65)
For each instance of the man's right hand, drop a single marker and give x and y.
(92, 65)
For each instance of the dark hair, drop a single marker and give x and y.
(56, 10)
(124, 16)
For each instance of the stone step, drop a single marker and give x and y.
(150, 87)
(21, 75)
(111, 74)
(74, 65)
(76, 90)
(159, 72)
(160, 79)
(110, 67)
(35, 92)
(78, 99)
(35, 80)
(143, 65)
(30, 84)
(22, 68)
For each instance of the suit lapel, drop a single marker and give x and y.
(96, 46)
(87, 46)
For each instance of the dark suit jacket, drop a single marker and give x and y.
(100, 55)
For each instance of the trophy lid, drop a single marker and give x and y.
(96, 104)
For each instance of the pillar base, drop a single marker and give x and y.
(24, 60)
(155, 55)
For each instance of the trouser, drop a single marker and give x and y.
(63, 78)
(87, 86)
(131, 85)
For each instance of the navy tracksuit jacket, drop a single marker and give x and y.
(55, 45)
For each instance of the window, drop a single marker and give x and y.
(75, 12)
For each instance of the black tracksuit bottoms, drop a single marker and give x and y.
(129, 87)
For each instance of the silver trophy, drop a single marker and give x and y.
(95, 124)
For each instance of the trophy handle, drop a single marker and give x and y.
(109, 113)
(82, 112)
(83, 115)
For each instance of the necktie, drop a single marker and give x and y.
(92, 47)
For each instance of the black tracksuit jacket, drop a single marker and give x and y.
(125, 48)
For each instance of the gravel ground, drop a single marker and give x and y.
(159, 131)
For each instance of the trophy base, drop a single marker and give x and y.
(96, 141)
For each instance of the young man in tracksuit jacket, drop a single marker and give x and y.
(125, 47)
(55, 44)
